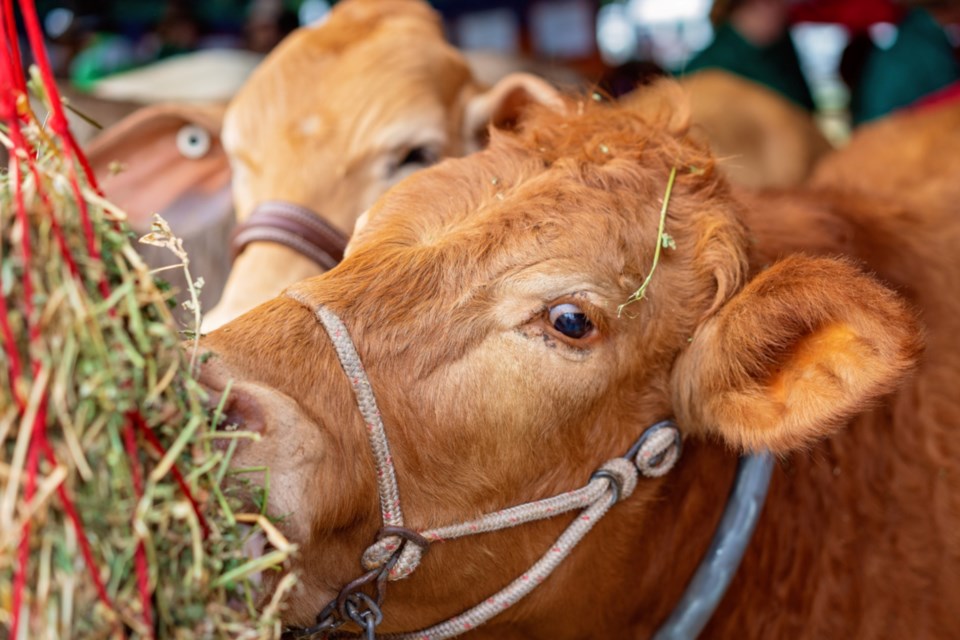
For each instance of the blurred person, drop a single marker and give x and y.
(268, 22)
(752, 40)
(178, 31)
(126, 35)
(898, 54)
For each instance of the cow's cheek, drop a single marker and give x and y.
(519, 387)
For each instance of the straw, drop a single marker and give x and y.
(116, 517)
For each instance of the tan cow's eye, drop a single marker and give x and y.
(421, 156)
(193, 141)
(570, 320)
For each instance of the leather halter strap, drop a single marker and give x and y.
(295, 227)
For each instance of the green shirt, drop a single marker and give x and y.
(919, 62)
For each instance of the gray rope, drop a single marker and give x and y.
(524, 584)
(584, 498)
(390, 509)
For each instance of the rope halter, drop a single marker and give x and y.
(398, 551)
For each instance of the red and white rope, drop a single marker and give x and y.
(350, 361)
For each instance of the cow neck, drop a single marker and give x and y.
(258, 275)
(718, 565)
(295, 227)
(397, 552)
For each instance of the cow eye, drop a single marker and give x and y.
(422, 156)
(570, 320)
(192, 141)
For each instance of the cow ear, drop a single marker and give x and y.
(664, 103)
(805, 345)
(502, 105)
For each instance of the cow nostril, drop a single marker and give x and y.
(237, 408)
(228, 421)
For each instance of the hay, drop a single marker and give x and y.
(115, 517)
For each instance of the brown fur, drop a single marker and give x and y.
(910, 157)
(446, 292)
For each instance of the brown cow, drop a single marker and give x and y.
(910, 157)
(482, 296)
(338, 113)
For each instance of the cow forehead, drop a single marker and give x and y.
(323, 92)
(328, 142)
(567, 195)
(512, 200)
(475, 240)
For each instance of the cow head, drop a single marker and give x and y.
(340, 112)
(483, 298)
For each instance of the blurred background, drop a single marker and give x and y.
(847, 61)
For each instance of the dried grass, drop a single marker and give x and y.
(79, 370)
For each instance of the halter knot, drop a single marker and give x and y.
(659, 450)
(622, 474)
(397, 548)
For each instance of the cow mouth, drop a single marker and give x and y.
(255, 545)
(249, 588)
(230, 428)
(260, 544)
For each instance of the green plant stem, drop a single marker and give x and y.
(641, 292)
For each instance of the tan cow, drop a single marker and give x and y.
(482, 296)
(338, 113)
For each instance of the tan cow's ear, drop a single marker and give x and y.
(663, 102)
(806, 344)
(502, 105)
